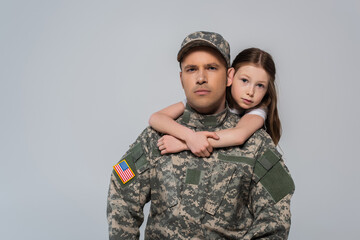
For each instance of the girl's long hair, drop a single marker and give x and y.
(264, 60)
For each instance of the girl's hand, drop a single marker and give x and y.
(199, 145)
(170, 144)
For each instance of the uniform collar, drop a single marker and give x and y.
(194, 119)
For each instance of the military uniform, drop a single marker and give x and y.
(240, 192)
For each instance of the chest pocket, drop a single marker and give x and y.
(164, 185)
(221, 175)
(223, 180)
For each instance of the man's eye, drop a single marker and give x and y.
(212, 68)
(190, 69)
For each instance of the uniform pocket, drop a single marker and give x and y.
(164, 185)
(230, 174)
(221, 176)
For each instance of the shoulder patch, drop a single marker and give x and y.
(132, 164)
(124, 171)
(273, 176)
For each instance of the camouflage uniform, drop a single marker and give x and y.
(240, 192)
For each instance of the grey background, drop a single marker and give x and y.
(79, 80)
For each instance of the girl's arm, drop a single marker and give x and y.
(246, 126)
(164, 121)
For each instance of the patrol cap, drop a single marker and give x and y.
(208, 39)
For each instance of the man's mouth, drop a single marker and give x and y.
(202, 91)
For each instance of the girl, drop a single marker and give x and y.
(252, 94)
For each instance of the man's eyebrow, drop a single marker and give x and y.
(212, 65)
(189, 66)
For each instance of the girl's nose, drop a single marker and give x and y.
(250, 91)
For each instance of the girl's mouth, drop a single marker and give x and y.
(246, 101)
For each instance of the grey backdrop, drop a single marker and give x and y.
(79, 80)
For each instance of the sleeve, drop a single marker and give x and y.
(184, 101)
(262, 112)
(129, 190)
(269, 201)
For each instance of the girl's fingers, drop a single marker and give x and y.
(209, 149)
(197, 154)
(207, 154)
(160, 141)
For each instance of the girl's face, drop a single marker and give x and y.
(249, 86)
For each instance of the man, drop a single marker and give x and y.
(240, 192)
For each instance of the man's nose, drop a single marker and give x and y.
(201, 78)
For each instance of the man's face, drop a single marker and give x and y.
(204, 79)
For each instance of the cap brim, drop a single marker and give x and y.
(195, 43)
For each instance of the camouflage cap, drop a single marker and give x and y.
(209, 39)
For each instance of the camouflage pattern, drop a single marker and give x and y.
(240, 192)
(202, 38)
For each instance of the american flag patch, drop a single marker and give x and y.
(124, 171)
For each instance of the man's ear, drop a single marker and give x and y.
(230, 76)
(181, 80)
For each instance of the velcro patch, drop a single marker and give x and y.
(193, 176)
(265, 163)
(236, 159)
(272, 175)
(278, 182)
(138, 156)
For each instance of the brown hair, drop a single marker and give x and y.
(264, 60)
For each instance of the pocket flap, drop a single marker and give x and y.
(139, 158)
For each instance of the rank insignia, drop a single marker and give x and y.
(124, 171)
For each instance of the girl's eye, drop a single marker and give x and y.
(244, 80)
(261, 85)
